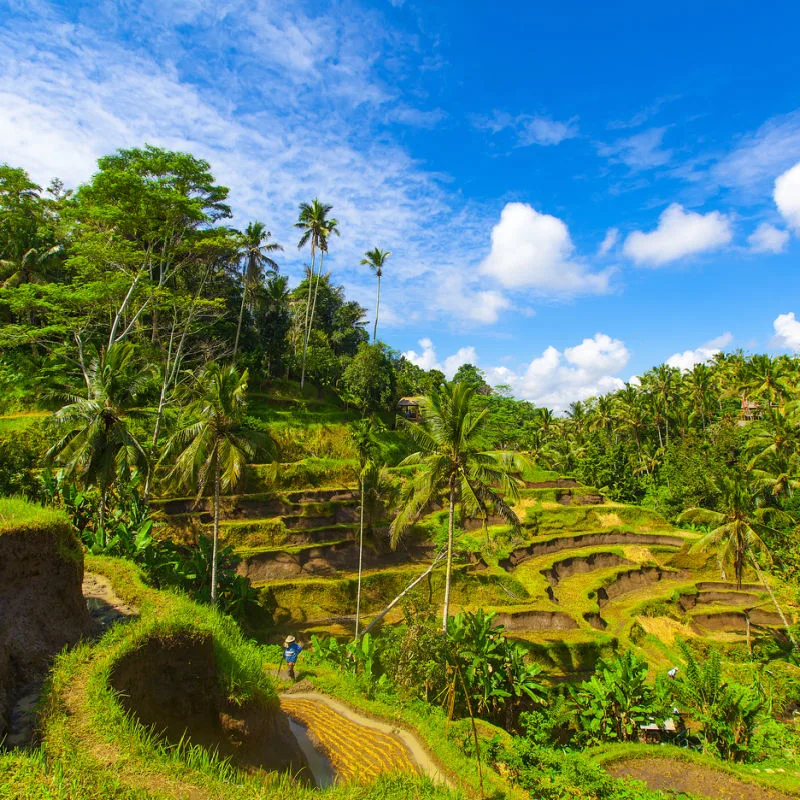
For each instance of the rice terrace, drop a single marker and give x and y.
(399, 401)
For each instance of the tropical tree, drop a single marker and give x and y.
(213, 443)
(98, 447)
(615, 701)
(765, 379)
(452, 462)
(733, 533)
(317, 228)
(363, 434)
(254, 253)
(375, 260)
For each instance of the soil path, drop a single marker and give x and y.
(358, 746)
(675, 776)
(103, 604)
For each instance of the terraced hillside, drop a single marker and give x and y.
(583, 574)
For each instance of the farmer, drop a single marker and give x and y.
(291, 649)
(672, 672)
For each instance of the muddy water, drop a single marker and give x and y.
(319, 764)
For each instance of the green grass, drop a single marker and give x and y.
(11, 423)
(20, 515)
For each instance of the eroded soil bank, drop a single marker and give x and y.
(170, 683)
(41, 607)
(674, 776)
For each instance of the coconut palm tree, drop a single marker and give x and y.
(317, 228)
(698, 386)
(631, 412)
(375, 260)
(98, 447)
(29, 267)
(363, 433)
(766, 379)
(212, 442)
(254, 252)
(734, 535)
(453, 465)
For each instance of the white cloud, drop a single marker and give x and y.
(555, 379)
(528, 129)
(464, 355)
(428, 359)
(767, 238)
(546, 131)
(274, 89)
(611, 239)
(787, 196)
(787, 332)
(641, 151)
(679, 233)
(534, 251)
(687, 359)
(752, 166)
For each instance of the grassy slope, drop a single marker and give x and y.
(19, 515)
(91, 749)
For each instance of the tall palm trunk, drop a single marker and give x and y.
(305, 324)
(103, 501)
(217, 480)
(311, 318)
(241, 311)
(774, 599)
(377, 309)
(450, 533)
(360, 558)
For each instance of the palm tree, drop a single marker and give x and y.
(363, 433)
(451, 462)
(254, 252)
(29, 267)
(375, 260)
(698, 385)
(213, 443)
(734, 537)
(765, 378)
(317, 228)
(98, 447)
(631, 412)
(662, 383)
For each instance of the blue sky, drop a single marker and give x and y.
(572, 192)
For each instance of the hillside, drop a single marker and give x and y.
(584, 575)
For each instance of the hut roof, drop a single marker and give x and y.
(409, 401)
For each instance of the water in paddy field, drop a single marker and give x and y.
(319, 764)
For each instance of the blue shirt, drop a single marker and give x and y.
(291, 651)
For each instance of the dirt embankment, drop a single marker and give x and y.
(170, 683)
(676, 777)
(41, 606)
(324, 560)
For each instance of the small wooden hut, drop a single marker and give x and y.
(408, 407)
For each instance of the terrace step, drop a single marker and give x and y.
(561, 543)
(736, 621)
(690, 600)
(574, 565)
(333, 558)
(536, 620)
(634, 579)
(265, 505)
